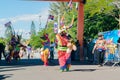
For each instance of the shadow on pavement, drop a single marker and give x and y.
(37, 62)
(75, 62)
(9, 69)
(22, 62)
(26, 63)
(84, 70)
(3, 77)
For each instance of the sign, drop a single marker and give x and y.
(112, 35)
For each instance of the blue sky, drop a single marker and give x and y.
(21, 13)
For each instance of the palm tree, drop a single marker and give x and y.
(64, 11)
(57, 7)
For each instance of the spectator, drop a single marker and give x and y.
(90, 48)
(78, 49)
(100, 48)
(29, 50)
(52, 45)
(85, 49)
(2, 50)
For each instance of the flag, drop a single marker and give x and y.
(51, 17)
(29, 33)
(55, 27)
(76, 6)
(8, 24)
(70, 4)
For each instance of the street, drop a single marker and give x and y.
(34, 70)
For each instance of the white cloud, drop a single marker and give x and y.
(25, 33)
(2, 20)
(27, 17)
(24, 18)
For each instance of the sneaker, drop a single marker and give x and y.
(100, 65)
(45, 65)
(61, 70)
(67, 69)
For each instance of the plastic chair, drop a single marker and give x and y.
(116, 58)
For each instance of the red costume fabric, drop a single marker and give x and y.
(62, 47)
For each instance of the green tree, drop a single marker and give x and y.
(63, 10)
(99, 17)
(3, 40)
(99, 6)
(8, 32)
(117, 5)
(58, 7)
(36, 41)
(33, 29)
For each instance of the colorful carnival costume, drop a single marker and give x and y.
(64, 58)
(45, 41)
(45, 51)
(62, 49)
(44, 56)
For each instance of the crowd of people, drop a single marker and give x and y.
(67, 49)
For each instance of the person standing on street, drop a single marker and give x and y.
(100, 48)
(2, 50)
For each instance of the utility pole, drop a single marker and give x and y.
(39, 22)
(58, 19)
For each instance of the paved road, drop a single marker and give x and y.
(34, 70)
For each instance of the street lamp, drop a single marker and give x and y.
(39, 22)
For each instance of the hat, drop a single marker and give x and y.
(100, 34)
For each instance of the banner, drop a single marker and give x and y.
(76, 6)
(51, 17)
(70, 4)
(55, 27)
(112, 35)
